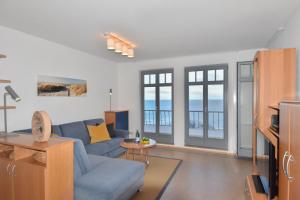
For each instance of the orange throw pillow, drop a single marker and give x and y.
(98, 133)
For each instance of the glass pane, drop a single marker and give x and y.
(245, 118)
(168, 77)
(152, 79)
(199, 76)
(220, 75)
(211, 75)
(146, 79)
(162, 78)
(196, 110)
(191, 76)
(216, 111)
(165, 113)
(149, 110)
(245, 71)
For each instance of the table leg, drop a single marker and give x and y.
(133, 154)
(147, 157)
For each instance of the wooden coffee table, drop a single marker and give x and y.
(138, 149)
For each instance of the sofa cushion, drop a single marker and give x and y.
(116, 152)
(96, 160)
(96, 122)
(24, 131)
(100, 148)
(109, 180)
(98, 133)
(93, 122)
(56, 130)
(114, 143)
(81, 160)
(76, 130)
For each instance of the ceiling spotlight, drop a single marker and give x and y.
(120, 45)
(130, 53)
(110, 43)
(124, 50)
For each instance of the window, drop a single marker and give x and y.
(157, 105)
(206, 106)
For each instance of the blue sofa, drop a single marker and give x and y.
(110, 148)
(96, 175)
(103, 178)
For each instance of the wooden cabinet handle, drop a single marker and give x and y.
(283, 162)
(7, 167)
(291, 159)
(13, 171)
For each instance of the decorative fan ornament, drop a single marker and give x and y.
(41, 126)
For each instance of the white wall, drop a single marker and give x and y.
(30, 56)
(129, 88)
(290, 37)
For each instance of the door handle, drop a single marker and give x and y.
(283, 162)
(290, 159)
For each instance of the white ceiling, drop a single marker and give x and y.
(160, 28)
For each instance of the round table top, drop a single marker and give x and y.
(132, 145)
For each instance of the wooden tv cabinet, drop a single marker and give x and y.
(36, 171)
(251, 192)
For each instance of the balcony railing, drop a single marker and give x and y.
(215, 119)
(165, 117)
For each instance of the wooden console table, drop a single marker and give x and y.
(36, 171)
(118, 118)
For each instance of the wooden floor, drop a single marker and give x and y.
(205, 176)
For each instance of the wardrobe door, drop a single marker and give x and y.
(283, 150)
(293, 165)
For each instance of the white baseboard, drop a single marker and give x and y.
(197, 149)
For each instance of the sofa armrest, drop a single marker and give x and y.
(121, 133)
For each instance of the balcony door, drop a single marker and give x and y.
(157, 105)
(206, 106)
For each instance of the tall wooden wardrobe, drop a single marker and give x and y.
(274, 79)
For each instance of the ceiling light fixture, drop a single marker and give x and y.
(119, 44)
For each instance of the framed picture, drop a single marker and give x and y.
(60, 86)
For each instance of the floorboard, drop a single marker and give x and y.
(205, 176)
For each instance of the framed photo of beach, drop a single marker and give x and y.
(60, 86)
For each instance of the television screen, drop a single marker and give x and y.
(266, 165)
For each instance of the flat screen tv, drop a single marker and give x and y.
(266, 167)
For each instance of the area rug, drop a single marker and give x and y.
(158, 174)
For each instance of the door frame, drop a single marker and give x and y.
(206, 142)
(242, 152)
(161, 138)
